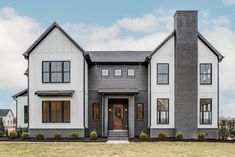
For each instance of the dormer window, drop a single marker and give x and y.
(55, 71)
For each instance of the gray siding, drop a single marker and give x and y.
(49, 133)
(186, 72)
(139, 81)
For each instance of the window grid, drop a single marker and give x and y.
(96, 111)
(205, 111)
(205, 73)
(163, 73)
(130, 72)
(162, 111)
(140, 111)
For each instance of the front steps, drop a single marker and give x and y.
(118, 135)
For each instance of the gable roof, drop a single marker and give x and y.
(217, 53)
(44, 35)
(22, 93)
(4, 112)
(203, 39)
(118, 56)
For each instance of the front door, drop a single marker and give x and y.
(117, 116)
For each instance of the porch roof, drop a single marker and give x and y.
(119, 91)
(54, 93)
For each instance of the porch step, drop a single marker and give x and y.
(118, 135)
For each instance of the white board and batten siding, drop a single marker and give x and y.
(56, 47)
(205, 55)
(21, 102)
(164, 55)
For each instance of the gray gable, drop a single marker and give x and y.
(118, 56)
(4, 112)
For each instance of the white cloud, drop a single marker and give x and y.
(229, 2)
(17, 33)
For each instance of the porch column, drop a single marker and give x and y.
(131, 116)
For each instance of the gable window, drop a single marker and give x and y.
(96, 111)
(130, 72)
(162, 73)
(26, 114)
(162, 111)
(205, 73)
(55, 71)
(205, 111)
(139, 111)
(118, 72)
(56, 111)
(105, 72)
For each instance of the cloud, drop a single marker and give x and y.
(229, 2)
(17, 33)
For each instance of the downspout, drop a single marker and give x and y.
(28, 97)
(218, 98)
(150, 98)
(84, 104)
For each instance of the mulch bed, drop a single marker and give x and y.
(99, 139)
(185, 140)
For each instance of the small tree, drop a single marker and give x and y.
(2, 128)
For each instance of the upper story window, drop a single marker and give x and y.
(104, 72)
(205, 74)
(118, 72)
(162, 73)
(130, 72)
(162, 111)
(55, 71)
(205, 111)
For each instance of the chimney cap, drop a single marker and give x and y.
(185, 11)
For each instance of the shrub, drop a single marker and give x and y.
(179, 136)
(6, 132)
(143, 136)
(162, 136)
(13, 134)
(232, 133)
(74, 135)
(201, 136)
(24, 135)
(57, 136)
(224, 133)
(40, 136)
(19, 131)
(93, 134)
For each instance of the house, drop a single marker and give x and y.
(7, 117)
(174, 88)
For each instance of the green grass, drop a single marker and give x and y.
(155, 149)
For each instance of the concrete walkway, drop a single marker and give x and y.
(118, 142)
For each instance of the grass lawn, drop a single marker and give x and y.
(148, 149)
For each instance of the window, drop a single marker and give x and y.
(118, 72)
(55, 71)
(130, 72)
(162, 111)
(55, 111)
(96, 111)
(205, 73)
(26, 114)
(162, 73)
(206, 111)
(140, 111)
(105, 72)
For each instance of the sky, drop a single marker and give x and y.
(111, 25)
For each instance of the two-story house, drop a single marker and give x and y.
(174, 88)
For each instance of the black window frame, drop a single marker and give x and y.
(168, 111)
(102, 73)
(93, 111)
(26, 113)
(62, 114)
(136, 112)
(201, 64)
(167, 74)
(202, 112)
(63, 72)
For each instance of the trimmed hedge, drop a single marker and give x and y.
(40, 136)
(24, 135)
(13, 134)
(179, 136)
(143, 136)
(74, 135)
(93, 134)
(162, 136)
(201, 136)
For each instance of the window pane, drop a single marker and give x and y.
(118, 72)
(96, 111)
(105, 72)
(205, 111)
(46, 77)
(162, 68)
(66, 77)
(56, 77)
(140, 111)
(162, 79)
(46, 66)
(66, 111)
(26, 114)
(205, 73)
(56, 66)
(67, 66)
(131, 72)
(45, 111)
(162, 111)
(162, 73)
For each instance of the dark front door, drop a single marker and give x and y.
(117, 116)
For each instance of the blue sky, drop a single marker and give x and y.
(109, 24)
